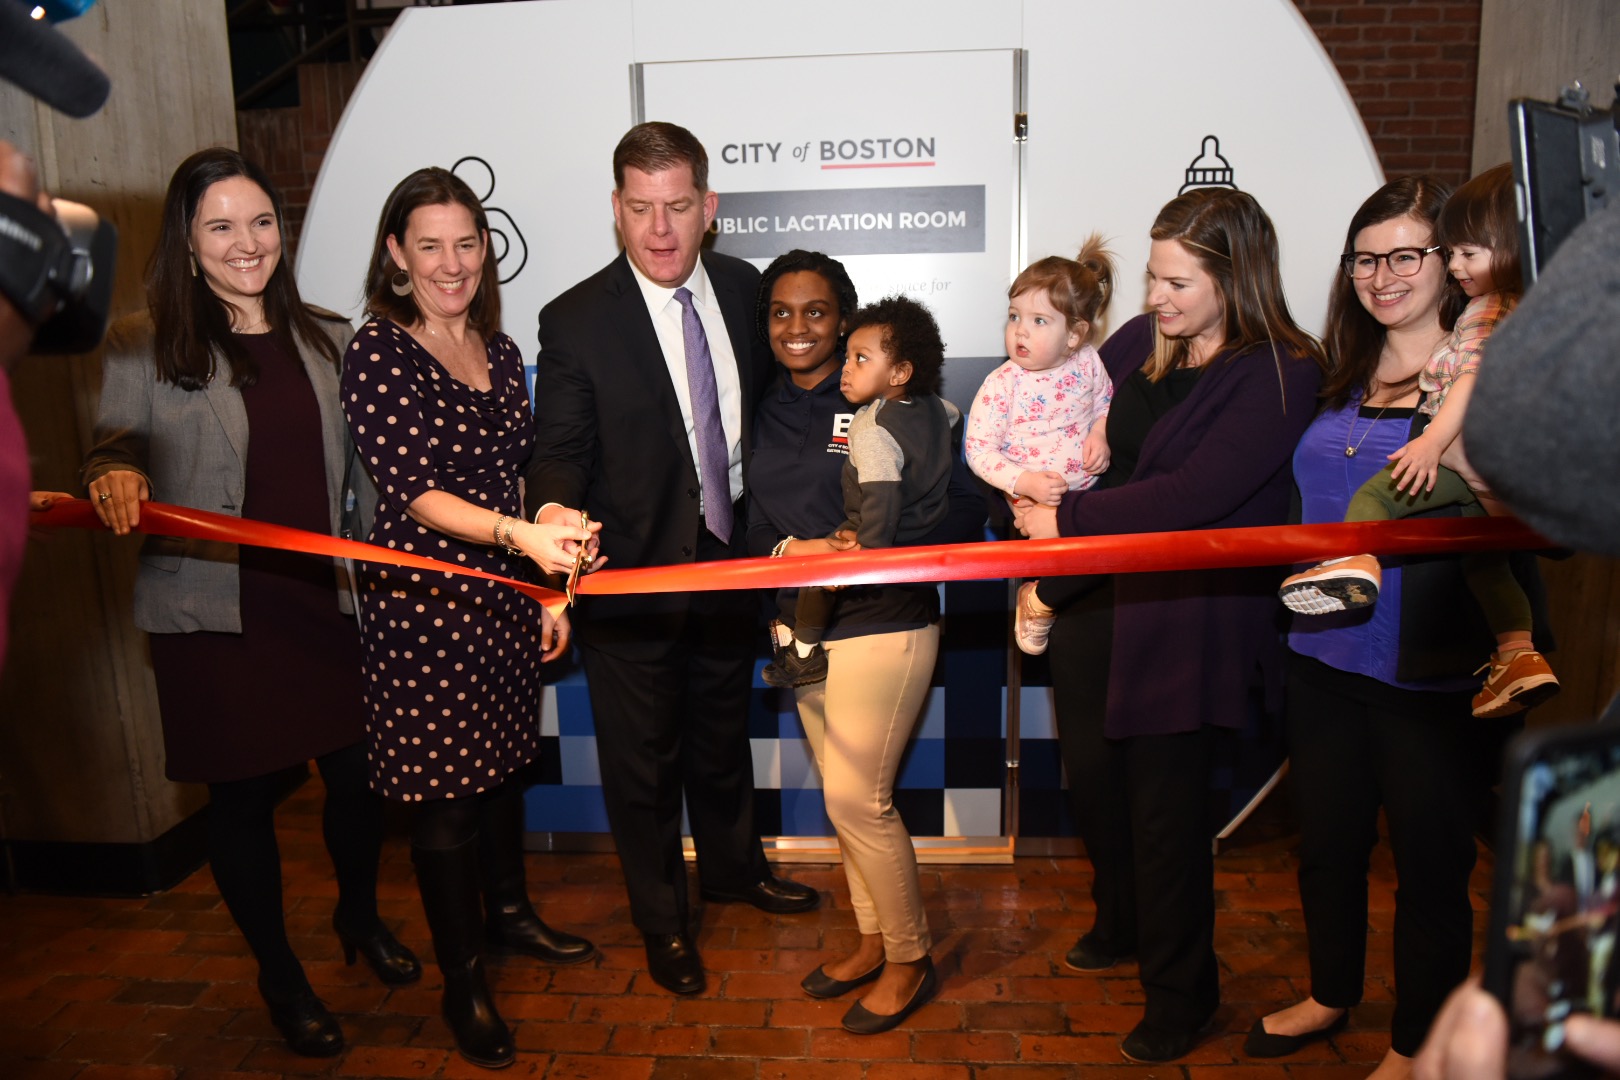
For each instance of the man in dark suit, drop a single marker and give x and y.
(648, 374)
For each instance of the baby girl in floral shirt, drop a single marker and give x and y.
(1036, 429)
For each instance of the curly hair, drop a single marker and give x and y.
(910, 335)
(799, 261)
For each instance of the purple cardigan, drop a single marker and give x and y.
(1190, 645)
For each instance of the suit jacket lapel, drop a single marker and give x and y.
(646, 356)
(226, 401)
(323, 377)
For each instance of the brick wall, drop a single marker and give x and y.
(1409, 66)
(290, 143)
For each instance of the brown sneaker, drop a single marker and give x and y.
(1335, 585)
(1515, 684)
(1032, 620)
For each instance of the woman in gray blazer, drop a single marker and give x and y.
(223, 396)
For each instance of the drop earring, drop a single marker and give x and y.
(193, 257)
(401, 283)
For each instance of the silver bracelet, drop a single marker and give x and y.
(505, 543)
(781, 546)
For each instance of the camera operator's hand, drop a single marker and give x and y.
(44, 500)
(17, 178)
(117, 496)
(1469, 1039)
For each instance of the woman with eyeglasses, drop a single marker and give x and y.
(1379, 698)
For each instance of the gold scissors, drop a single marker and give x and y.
(581, 557)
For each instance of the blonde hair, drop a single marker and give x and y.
(1079, 288)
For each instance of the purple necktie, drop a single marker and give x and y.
(714, 455)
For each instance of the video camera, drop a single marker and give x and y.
(56, 268)
(58, 271)
(1566, 162)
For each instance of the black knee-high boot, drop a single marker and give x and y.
(510, 921)
(448, 878)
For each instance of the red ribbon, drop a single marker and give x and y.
(161, 519)
(1199, 549)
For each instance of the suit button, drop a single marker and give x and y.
(686, 551)
(691, 493)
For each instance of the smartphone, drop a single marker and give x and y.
(1555, 911)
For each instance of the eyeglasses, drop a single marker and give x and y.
(1402, 262)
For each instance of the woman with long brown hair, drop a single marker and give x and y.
(1379, 713)
(1151, 671)
(223, 396)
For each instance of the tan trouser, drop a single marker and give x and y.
(858, 723)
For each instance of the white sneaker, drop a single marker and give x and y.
(1032, 620)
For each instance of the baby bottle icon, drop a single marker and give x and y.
(1209, 168)
(511, 252)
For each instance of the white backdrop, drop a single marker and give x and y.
(1120, 100)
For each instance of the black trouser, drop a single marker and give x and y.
(1357, 744)
(1167, 781)
(1080, 651)
(675, 726)
(1142, 805)
(246, 862)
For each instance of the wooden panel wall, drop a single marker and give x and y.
(1532, 48)
(81, 756)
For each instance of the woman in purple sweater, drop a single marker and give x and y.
(1214, 387)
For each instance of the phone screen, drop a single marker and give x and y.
(1556, 913)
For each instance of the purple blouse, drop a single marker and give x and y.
(1365, 642)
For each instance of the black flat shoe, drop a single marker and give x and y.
(305, 1025)
(674, 964)
(1263, 1044)
(818, 984)
(394, 963)
(1156, 1044)
(775, 895)
(862, 1021)
(1092, 953)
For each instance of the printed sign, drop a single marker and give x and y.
(915, 192)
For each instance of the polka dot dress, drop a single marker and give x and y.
(451, 663)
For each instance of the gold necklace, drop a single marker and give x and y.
(1350, 451)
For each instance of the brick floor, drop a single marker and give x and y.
(161, 988)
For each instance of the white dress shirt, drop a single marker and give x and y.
(666, 317)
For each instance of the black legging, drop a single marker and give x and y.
(246, 862)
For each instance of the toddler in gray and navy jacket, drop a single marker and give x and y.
(899, 457)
